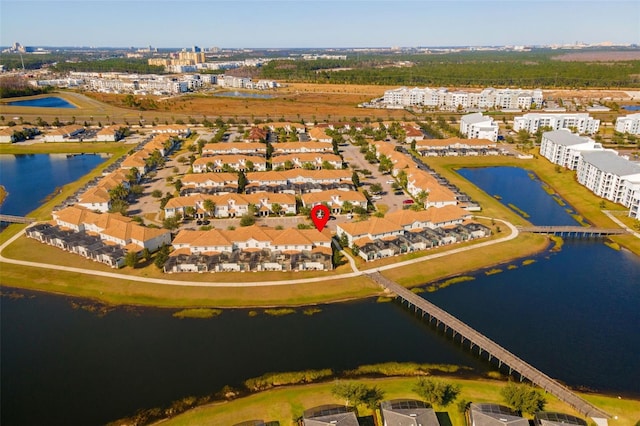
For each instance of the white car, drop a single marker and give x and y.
(390, 181)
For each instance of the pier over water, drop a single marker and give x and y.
(492, 349)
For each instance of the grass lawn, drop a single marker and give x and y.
(285, 404)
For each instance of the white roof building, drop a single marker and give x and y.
(531, 122)
(564, 148)
(477, 126)
(629, 124)
(610, 176)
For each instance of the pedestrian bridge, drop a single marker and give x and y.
(440, 318)
(572, 231)
(15, 219)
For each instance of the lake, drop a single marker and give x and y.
(31, 178)
(566, 313)
(48, 102)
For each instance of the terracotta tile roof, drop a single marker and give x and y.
(234, 147)
(318, 133)
(306, 157)
(95, 195)
(372, 226)
(220, 178)
(302, 147)
(328, 196)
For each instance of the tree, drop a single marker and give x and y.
(357, 393)
(210, 206)
(146, 254)
(156, 193)
(178, 185)
(523, 398)
(247, 220)
(133, 175)
(276, 208)
(347, 206)
(131, 259)
(436, 392)
(242, 182)
(172, 222)
(376, 188)
(119, 192)
(119, 206)
(250, 166)
(355, 179)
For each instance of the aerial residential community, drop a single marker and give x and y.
(441, 232)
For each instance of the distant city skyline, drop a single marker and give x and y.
(315, 24)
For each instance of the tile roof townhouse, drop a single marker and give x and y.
(104, 238)
(232, 205)
(334, 199)
(64, 133)
(209, 182)
(313, 158)
(299, 147)
(456, 147)
(112, 227)
(286, 125)
(108, 134)
(98, 197)
(174, 129)
(235, 162)
(318, 134)
(226, 148)
(437, 195)
(9, 134)
(408, 230)
(252, 248)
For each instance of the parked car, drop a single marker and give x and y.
(408, 201)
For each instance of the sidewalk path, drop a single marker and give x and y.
(620, 223)
(356, 272)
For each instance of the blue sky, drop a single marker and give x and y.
(316, 23)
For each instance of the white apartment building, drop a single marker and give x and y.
(442, 98)
(531, 122)
(609, 176)
(629, 124)
(565, 148)
(477, 126)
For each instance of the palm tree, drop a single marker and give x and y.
(210, 206)
(276, 208)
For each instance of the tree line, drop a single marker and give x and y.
(536, 69)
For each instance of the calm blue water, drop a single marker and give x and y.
(573, 314)
(237, 94)
(631, 107)
(48, 102)
(30, 178)
(521, 188)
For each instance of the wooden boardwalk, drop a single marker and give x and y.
(15, 219)
(572, 231)
(492, 349)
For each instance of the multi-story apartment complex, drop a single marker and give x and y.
(477, 126)
(581, 122)
(629, 124)
(565, 148)
(611, 177)
(442, 98)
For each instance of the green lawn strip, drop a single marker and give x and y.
(285, 404)
(126, 292)
(65, 148)
(461, 263)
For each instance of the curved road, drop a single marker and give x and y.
(356, 272)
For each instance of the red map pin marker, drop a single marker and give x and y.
(320, 216)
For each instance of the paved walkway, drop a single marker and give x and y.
(356, 272)
(620, 223)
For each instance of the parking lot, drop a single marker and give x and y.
(392, 199)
